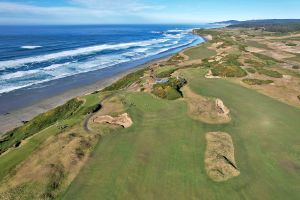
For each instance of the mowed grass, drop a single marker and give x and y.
(200, 52)
(162, 155)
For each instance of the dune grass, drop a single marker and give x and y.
(162, 155)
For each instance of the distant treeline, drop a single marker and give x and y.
(271, 25)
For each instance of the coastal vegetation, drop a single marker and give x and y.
(126, 80)
(170, 89)
(250, 81)
(15, 137)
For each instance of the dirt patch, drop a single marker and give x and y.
(123, 120)
(208, 110)
(220, 164)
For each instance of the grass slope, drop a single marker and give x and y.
(162, 155)
(200, 52)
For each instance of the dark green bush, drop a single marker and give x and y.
(169, 90)
(228, 71)
(270, 73)
(250, 70)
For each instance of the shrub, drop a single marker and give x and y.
(270, 73)
(291, 44)
(175, 59)
(295, 67)
(298, 97)
(267, 59)
(126, 80)
(256, 81)
(250, 70)
(169, 90)
(228, 71)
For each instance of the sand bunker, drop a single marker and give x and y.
(210, 75)
(122, 120)
(208, 110)
(221, 108)
(220, 164)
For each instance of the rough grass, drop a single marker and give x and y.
(266, 59)
(166, 71)
(203, 108)
(200, 52)
(126, 81)
(270, 73)
(38, 123)
(250, 70)
(296, 58)
(251, 81)
(257, 44)
(162, 155)
(228, 71)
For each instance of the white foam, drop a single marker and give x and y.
(136, 51)
(30, 47)
(175, 31)
(76, 52)
(55, 66)
(18, 74)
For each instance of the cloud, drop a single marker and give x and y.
(77, 12)
(118, 5)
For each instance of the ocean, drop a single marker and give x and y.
(65, 57)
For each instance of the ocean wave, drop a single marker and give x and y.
(80, 51)
(30, 47)
(18, 74)
(55, 66)
(55, 70)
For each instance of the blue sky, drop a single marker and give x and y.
(142, 11)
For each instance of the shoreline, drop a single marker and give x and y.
(19, 112)
(17, 117)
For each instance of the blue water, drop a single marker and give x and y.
(31, 55)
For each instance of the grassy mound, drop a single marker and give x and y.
(250, 70)
(126, 80)
(230, 67)
(204, 109)
(42, 121)
(254, 81)
(200, 52)
(228, 71)
(270, 73)
(169, 90)
(164, 72)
